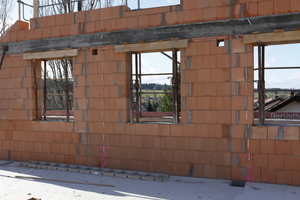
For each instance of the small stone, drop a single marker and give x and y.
(29, 194)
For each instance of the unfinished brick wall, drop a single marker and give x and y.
(216, 138)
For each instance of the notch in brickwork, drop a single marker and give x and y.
(94, 52)
(220, 43)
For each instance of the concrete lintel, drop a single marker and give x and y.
(263, 24)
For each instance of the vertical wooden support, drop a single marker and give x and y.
(137, 95)
(45, 89)
(67, 90)
(35, 90)
(261, 84)
(175, 88)
(35, 8)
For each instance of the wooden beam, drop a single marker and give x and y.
(277, 37)
(51, 54)
(152, 46)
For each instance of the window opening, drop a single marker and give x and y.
(142, 4)
(277, 95)
(155, 87)
(56, 90)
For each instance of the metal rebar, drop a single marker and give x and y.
(35, 90)
(67, 89)
(137, 99)
(157, 74)
(131, 93)
(156, 93)
(5, 49)
(279, 68)
(19, 9)
(175, 87)
(283, 90)
(169, 57)
(139, 4)
(263, 83)
(60, 3)
(45, 89)
(261, 96)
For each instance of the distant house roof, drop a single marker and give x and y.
(269, 103)
(284, 103)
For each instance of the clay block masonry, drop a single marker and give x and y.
(216, 137)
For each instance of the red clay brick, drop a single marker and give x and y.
(237, 145)
(272, 132)
(283, 147)
(202, 3)
(250, 9)
(265, 7)
(222, 12)
(238, 131)
(259, 132)
(176, 130)
(267, 146)
(201, 130)
(284, 177)
(209, 14)
(224, 172)
(183, 17)
(294, 5)
(291, 133)
(296, 177)
(281, 6)
(296, 148)
(291, 162)
(210, 61)
(209, 144)
(215, 130)
(268, 175)
(196, 144)
(275, 161)
(196, 15)
(210, 171)
(260, 160)
(237, 173)
(187, 5)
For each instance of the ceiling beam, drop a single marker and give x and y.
(152, 46)
(263, 24)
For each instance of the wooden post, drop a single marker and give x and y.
(35, 8)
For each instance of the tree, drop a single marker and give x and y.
(149, 107)
(166, 103)
(66, 6)
(5, 11)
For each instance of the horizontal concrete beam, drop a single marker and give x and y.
(152, 46)
(263, 24)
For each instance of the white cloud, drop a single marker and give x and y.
(270, 62)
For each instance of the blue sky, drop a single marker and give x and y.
(279, 55)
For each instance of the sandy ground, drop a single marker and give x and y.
(173, 188)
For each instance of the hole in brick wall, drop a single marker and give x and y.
(237, 183)
(94, 52)
(220, 43)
